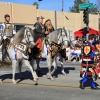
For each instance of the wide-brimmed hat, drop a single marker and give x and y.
(40, 17)
(7, 15)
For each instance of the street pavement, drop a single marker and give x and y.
(63, 88)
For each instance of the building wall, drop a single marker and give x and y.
(27, 14)
(24, 14)
(74, 21)
(20, 14)
(5, 9)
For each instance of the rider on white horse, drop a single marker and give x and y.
(39, 34)
(7, 33)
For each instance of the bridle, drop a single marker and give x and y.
(27, 36)
(61, 36)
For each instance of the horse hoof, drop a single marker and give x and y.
(1, 82)
(52, 79)
(14, 83)
(35, 83)
(48, 75)
(64, 74)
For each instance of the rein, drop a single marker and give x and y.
(26, 35)
(61, 35)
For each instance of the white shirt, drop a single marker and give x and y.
(3, 28)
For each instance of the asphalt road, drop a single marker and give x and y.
(29, 92)
(63, 88)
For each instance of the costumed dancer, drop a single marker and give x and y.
(87, 70)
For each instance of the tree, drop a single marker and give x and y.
(75, 7)
(36, 4)
(98, 3)
(94, 10)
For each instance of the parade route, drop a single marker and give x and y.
(63, 88)
(71, 80)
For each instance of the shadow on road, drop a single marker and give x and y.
(27, 74)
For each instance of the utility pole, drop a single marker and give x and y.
(55, 21)
(62, 5)
(87, 22)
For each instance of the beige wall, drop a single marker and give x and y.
(4, 9)
(75, 21)
(27, 14)
(24, 14)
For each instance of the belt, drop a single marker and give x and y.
(86, 59)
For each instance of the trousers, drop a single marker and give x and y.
(4, 49)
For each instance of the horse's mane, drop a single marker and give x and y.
(20, 35)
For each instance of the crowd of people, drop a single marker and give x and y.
(74, 52)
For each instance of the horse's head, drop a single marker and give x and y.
(24, 35)
(28, 36)
(62, 38)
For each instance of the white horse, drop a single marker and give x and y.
(59, 40)
(22, 40)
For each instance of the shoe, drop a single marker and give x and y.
(82, 85)
(94, 88)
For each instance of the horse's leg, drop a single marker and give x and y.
(32, 64)
(26, 62)
(55, 66)
(38, 67)
(20, 69)
(1, 81)
(49, 63)
(14, 71)
(61, 62)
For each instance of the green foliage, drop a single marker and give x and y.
(36, 4)
(75, 7)
(94, 10)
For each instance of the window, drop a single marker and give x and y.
(18, 27)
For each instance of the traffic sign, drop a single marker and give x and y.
(87, 5)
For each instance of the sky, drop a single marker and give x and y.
(49, 4)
